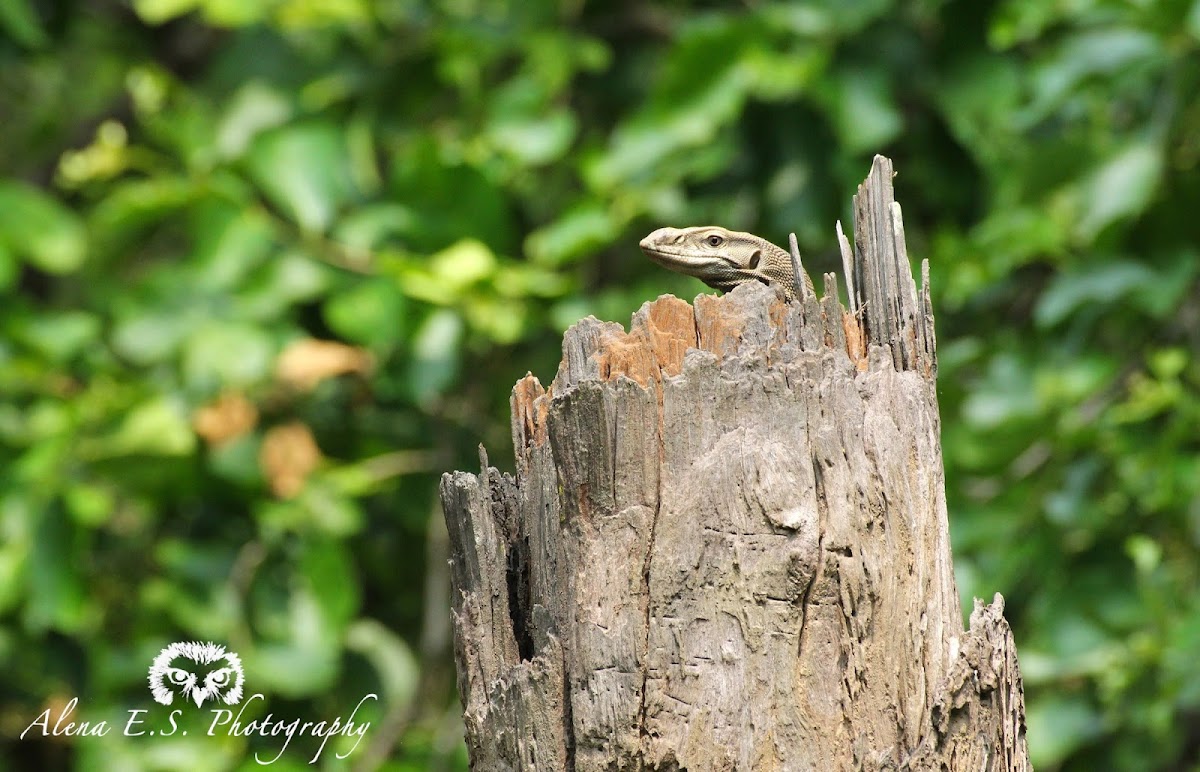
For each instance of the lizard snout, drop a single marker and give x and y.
(660, 237)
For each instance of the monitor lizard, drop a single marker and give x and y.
(723, 259)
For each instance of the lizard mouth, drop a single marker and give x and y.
(671, 259)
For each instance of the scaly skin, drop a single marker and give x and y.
(723, 259)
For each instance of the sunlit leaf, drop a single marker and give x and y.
(158, 427)
(236, 13)
(503, 322)
(159, 11)
(463, 264)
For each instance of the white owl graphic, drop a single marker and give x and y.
(198, 671)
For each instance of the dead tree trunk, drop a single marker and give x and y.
(726, 545)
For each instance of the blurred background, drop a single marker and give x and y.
(269, 267)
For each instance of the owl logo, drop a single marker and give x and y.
(198, 671)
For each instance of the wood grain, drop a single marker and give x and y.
(726, 545)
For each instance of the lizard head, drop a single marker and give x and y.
(720, 258)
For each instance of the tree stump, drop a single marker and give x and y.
(726, 544)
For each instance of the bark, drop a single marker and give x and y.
(726, 545)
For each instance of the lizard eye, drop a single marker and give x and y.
(715, 240)
(754, 260)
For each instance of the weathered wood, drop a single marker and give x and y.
(726, 545)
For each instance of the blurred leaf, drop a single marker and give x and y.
(159, 11)
(445, 277)
(237, 461)
(1018, 21)
(304, 170)
(371, 313)
(89, 505)
(158, 427)
(502, 321)
(1097, 284)
(535, 141)
(135, 205)
(227, 354)
(452, 200)
(254, 108)
(436, 356)
(231, 243)
(517, 280)
(863, 110)
(9, 268)
(19, 19)
(204, 564)
(1145, 553)
(13, 557)
(150, 337)
(1058, 726)
(319, 508)
(291, 277)
(330, 511)
(393, 660)
(1180, 656)
(36, 226)
(236, 13)
(327, 568)
(61, 336)
(370, 226)
(306, 662)
(304, 13)
(578, 232)
(463, 264)
(523, 126)
(1121, 188)
(699, 93)
(1005, 395)
(978, 99)
(1084, 54)
(57, 598)
(779, 76)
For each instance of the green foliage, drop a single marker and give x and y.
(270, 267)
